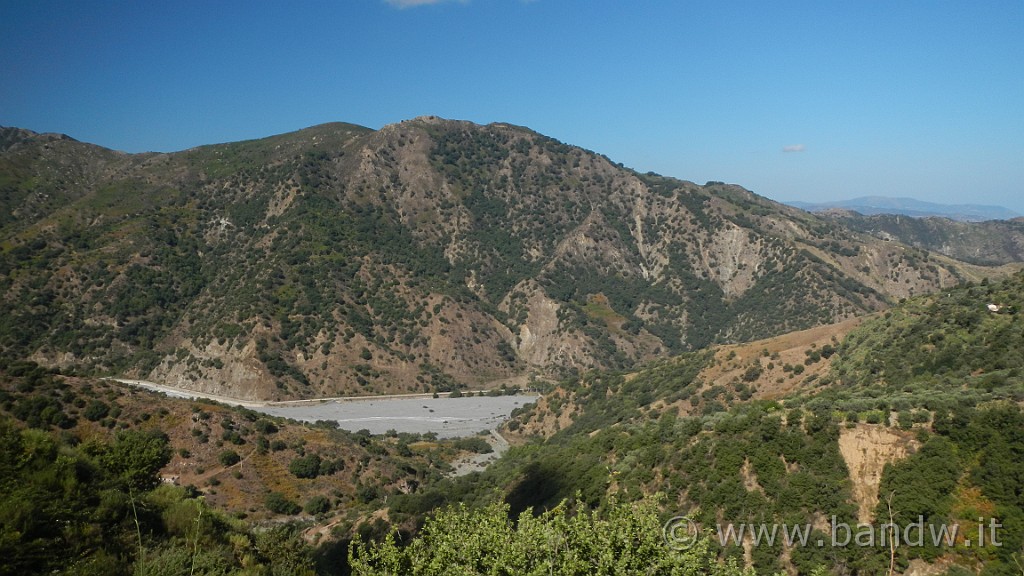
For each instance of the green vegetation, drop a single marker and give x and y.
(97, 508)
(750, 462)
(933, 353)
(280, 504)
(473, 444)
(326, 243)
(624, 539)
(90, 473)
(229, 458)
(990, 243)
(306, 466)
(970, 469)
(345, 260)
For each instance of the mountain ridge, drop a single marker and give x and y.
(874, 205)
(988, 243)
(429, 254)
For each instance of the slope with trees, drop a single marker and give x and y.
(426, 255)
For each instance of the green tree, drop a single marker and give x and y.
(621, 539)
(318, 504)
(280, 504)
(285, 551)
(229, 458)
(137, 457)
(96, 410)
(306, 466)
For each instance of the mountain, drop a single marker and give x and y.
(426, 255)
(988, 243)
(911, 415)
(870, 205)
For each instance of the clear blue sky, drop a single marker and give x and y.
(807, 100)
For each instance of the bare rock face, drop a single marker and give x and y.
(218, 370)
(542, 340)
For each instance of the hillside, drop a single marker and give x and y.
(989, 243)
(96, 477)
(234, 456)
(931, 353)
(922, 402)
(917, 408)
(428, 254)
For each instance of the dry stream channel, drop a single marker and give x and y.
(415, 413)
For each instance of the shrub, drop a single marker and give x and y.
(626, 539)
(279, 504)
(306, 466)
(317, 505)
(264, 426)
(229, 458)
(752, 373)
(474, 444)
(97, 410)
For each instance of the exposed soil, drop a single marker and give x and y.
(867, 448)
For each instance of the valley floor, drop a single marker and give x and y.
(414, 413)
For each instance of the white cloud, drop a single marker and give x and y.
(794, 148)
(403, 4)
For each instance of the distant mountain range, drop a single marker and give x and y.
(871, 205)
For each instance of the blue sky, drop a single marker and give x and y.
(808, 100)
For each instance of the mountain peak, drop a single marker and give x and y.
(10, 136)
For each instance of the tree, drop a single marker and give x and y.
(280, 504)
(96, 410)
(306, 466)
(285, 551)
(623, 539)
(229, 458)
(137, 457)
(318, 504)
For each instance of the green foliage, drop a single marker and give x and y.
(69, 509)
(473, 444)
(264, 426)
(229, 458)
(306, 466)
(137, 457)
(609, 398)
(752, 373)
(317, 505)
(204, 245)
(982, 446)
(96, 410)
(622, 539)
(797, 470)
(280, 504)
(934, 353)
(285, 551)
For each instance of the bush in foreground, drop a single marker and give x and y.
(624, 539)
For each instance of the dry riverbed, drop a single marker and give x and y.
(416, 413)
